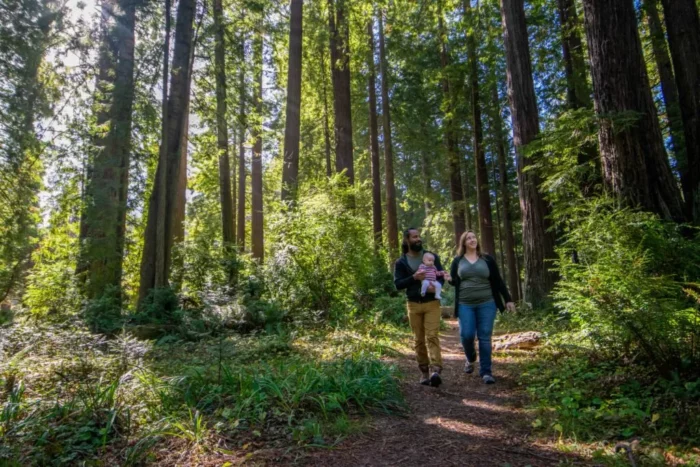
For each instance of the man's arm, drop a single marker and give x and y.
(402, 276)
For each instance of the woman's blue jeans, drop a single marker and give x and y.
(476, 321)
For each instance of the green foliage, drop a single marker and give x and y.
(103, 314)
(161, 306)
(582, 397)
(623, 279)
(322, 259)
(93, 398)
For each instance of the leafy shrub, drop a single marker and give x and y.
(161, 306)
(104, 314)
(391, 310)
(625, 286)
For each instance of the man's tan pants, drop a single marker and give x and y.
(425, 323)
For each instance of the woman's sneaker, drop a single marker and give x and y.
(469, 368)
(435, 380)
(488, 379)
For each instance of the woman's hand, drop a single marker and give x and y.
(510, 306)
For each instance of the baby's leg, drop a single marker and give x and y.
(424, 287)
(438, 289)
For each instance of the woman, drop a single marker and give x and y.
(478, 290)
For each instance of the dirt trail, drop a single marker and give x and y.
(464, 422)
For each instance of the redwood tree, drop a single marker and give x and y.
(683, 27)
(104, 219)
(160, 227)
(374, 142)
(450, 137)
(243, 123)
(635, 165)
(392, 231)
(256, 239)
(538, 240)
(227, 222)
(482, 179)
(340, 66)
(290, 169)
(669, 91)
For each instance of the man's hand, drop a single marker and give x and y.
(510, 306)
(447, 276)
(419, 275)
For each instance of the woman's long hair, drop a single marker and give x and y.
(462, 247)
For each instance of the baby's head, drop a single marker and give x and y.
(428, 259)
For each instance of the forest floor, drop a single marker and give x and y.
(463, 422)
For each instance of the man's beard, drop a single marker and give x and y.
(418, 246)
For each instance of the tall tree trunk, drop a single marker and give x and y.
(392, 231)
(635, 166)
(538, 240)
(456, 189)
(160, 231)
(240, 232)
(683, 27)
(466, 189)
(374, 142)
(669, 91)
(513, 273)
(326, 124)
(578, 95)
(290, 169)
(498, 219)
(257, 246)
(577, 91)
(104, 82)
(340, 66)
(482, 178)
(105, 212)
(226, 201)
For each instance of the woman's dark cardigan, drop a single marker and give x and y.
(498, 287)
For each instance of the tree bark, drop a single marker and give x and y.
(577, 91)
(226, 201)
(106, 204)
(482, 179)
(669, 91)
(290, 169)
(326, 124)
(456, 190)
(538, 240)
(578, 95)
(240, 232)
(635, 166)
(160, 228)
(683, 28)
(374, 142)
(340, 66)
(392, 231)
(513, 272)
(257, 245)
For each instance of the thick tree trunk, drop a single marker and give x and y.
(392, 230)
(683, 27)
(538, 241)
(290, 169)
(340, 66)
(160, 228)
(105, 212)
(635, 166)
(513, 273)
(257, 245)
(240, 227)
(226, 201)
(374, 142)
(482, 178)
(456, 190)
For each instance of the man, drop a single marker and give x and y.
(423, 311)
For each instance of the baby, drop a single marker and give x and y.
(431, 275)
